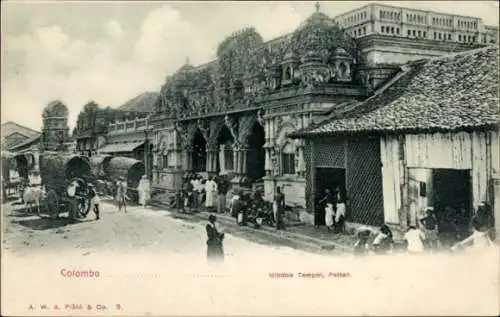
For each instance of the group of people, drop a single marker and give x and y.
(198, 193)
(335, 210)
(143, 190)
(80, 189)
(432, 234)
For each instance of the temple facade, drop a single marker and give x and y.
(55, 130)
(233, 115)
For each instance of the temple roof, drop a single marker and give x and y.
(454, 92)
(56, 109)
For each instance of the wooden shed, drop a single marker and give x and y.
(436, 123)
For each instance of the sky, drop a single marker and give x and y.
(109, 52)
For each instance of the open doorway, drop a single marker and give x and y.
(256, 155)
(326, 178)
(449, 192)
(225, 142)
(452, 198)
(199, 152)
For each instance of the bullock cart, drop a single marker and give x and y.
(58, 171)
(99, 165)
(129, 169)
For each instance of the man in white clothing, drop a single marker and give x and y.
(144, 190)
(415, 240)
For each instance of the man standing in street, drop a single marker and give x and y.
(279, 207)
(71, 191)
(222, 187)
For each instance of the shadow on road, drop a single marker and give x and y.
(20, 213)
(45, 223)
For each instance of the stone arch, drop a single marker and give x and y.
(245, 128)
(216, 126)
(252, 138)
(190, 134)
(199, 151)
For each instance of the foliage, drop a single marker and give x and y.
(247, 69)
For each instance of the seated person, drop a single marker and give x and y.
(383, 241)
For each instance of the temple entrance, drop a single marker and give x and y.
(225, 164)
(199, 154)
(256, 155)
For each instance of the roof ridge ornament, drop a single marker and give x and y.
(318, 6)
(187, 60)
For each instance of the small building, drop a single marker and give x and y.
(14, 134)
(429, 137)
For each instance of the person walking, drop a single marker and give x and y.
(279, 208)
(121, 195)
(215, 237)
(144, 190)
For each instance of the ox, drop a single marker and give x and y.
(33, 196)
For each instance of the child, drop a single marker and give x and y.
(383, 241)
(414, 240)
(362, 247)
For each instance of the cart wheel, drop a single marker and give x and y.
(52, 204)
(83, 207)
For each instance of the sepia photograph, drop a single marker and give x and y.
(250, 158)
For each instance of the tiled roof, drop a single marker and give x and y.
(10, 127)
(458, 91)
(28, 142)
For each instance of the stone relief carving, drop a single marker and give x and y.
(204, 128)
(260, 118)
(232, 125)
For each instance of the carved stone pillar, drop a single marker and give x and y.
(188, 159)
(244, 160)
(222, 158)
(301, 164)
(211, 164)
(236, 158)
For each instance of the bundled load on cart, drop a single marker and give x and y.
(100, 176)
(128, 169)
(59, 172)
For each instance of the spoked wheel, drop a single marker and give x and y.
(83, 207)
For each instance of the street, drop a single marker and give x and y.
(151, 262)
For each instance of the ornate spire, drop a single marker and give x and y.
(317, 5)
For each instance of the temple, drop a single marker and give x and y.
(233, 115)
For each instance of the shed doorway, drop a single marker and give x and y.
(449, 192)
(326, 178)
